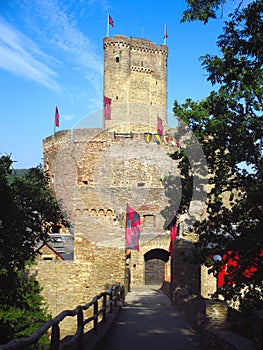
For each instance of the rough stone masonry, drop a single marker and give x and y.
(96, 172)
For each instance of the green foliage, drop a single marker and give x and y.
(201, 10)
(21, 311)
(228, 125)
(27, 211)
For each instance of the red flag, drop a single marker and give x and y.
(173, 233)
(159, 126)
(132, 230)
(107, 108)
(57, 116)
(111, 21)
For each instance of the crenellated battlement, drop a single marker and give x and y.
(138, 44)
(65, 137)
(59, 135)
(56, 141)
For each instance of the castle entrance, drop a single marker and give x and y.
(155, 261)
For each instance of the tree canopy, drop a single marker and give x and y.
(203, 10)
(27, 211)
(228, 125)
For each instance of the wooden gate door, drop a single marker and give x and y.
(154, 271)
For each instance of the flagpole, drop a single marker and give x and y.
(164, 35)
(104, 112)
(108, 25)
(125, 227)
(126, 271)
(54, 121)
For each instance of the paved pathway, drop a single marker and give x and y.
(149, 321)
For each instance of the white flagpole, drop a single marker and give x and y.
(108, 25)
(164, 35)
(126, 225)
(54, 121)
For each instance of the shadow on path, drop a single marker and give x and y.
(148, 320)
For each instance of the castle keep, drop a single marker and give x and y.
(135, 78)
(97, 172)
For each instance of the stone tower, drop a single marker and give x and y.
(135, 79)
(96, 172)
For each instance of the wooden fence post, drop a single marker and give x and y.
(111, 301)
(115, 294)
(80, 325)
(104, 313)
(115, 297)
(95, 314)
(55, 337)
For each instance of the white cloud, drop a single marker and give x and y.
(62, 33)
(18, 55)
(61, 45)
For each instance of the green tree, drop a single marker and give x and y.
(27, 211)
(228, 125)
(202, 10)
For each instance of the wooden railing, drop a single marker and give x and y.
(109, 298)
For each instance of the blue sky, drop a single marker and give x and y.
(51, 53)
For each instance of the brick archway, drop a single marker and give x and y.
(155, 261)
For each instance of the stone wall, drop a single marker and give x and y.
(185, 274)
(95, 176)
(211, 319)
(208, 283)
(81, 162)
(67, 284)
(225, 340)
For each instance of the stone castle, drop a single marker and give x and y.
(96, 172)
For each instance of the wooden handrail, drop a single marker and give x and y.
(114, 294)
